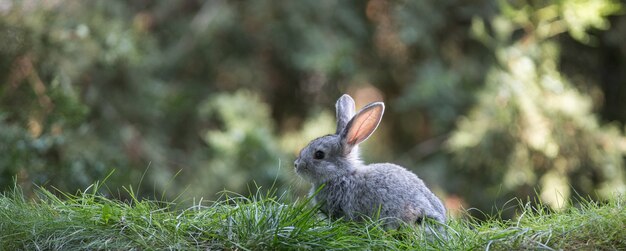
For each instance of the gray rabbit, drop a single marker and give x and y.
(352, 189)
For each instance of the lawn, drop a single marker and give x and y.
(88, 221)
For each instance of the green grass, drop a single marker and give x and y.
(89, 221)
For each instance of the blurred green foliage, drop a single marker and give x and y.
(240, 141)
(486, 99)
(529, 115)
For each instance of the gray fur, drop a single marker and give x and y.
(353, 190)
(345, 111)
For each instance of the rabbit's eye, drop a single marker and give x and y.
(319, 155)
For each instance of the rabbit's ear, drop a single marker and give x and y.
(345, 111)
(362, 125)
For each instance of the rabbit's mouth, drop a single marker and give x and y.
(297, 166)
(301, 169)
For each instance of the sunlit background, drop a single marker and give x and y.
(486, 100)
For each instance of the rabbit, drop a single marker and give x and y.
(345, 187)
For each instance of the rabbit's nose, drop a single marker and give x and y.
(295, 163)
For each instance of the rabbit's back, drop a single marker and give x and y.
(389, 190)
